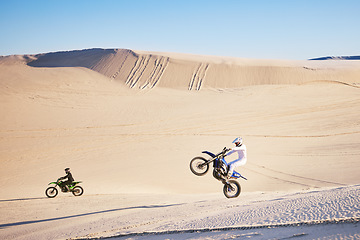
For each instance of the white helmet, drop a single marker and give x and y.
(238, 141)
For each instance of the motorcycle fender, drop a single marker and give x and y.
(238, 175)
(209, 153)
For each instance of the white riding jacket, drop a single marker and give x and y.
(241, 151)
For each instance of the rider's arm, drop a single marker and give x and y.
(241, 149)
(236, 149)
(64, 177)
(229, 153)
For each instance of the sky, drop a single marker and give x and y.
(259, 29)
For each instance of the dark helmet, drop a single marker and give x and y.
(67, 169)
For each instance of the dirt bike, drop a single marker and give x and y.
(200, 166)
(74, 188)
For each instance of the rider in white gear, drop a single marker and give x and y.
(240, 148)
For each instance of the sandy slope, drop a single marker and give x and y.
(139, 69)
(332, 213)
(300, 122)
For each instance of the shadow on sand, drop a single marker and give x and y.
(22, 199)
(82, 215)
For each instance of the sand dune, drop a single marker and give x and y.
(129, 122)
(96, 121)
(149, 69)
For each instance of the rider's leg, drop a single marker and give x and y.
(234, 164)
(66, 185)
(231, 170)
(62, 186)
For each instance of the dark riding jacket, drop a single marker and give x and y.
(69, 177)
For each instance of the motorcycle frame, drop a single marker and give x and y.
(220, 157)
(71, 187)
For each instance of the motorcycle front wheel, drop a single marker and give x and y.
(232, 189)
(51, 192)
(198, 166)
(77, 191)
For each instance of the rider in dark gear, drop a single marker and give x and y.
(69, 177)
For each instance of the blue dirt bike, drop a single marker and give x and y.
(200, 166)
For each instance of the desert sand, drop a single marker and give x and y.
(128, 123)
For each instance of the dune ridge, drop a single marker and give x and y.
(139, 69)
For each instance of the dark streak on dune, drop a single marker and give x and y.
(160, 65)
(337, 58)
(198, 77)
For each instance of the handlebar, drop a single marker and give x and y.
(225, 150)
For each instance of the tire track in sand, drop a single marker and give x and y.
(333, 82)
(119, 69)
(292, 178)
(160, 65)
(198, 77)
(281, 179)
(137, 71)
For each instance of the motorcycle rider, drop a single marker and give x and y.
(240, 149)
(69, 177)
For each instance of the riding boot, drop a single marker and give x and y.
(64, 188)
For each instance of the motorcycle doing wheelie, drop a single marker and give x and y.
(74, 188)
(200, 166)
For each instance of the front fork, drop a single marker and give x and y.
(206, 163)
(228, 185)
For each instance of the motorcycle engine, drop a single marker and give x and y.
(218, 173)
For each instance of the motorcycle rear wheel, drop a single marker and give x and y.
(232, 189)
(51, 192)
(198, 166)
(77, 191)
